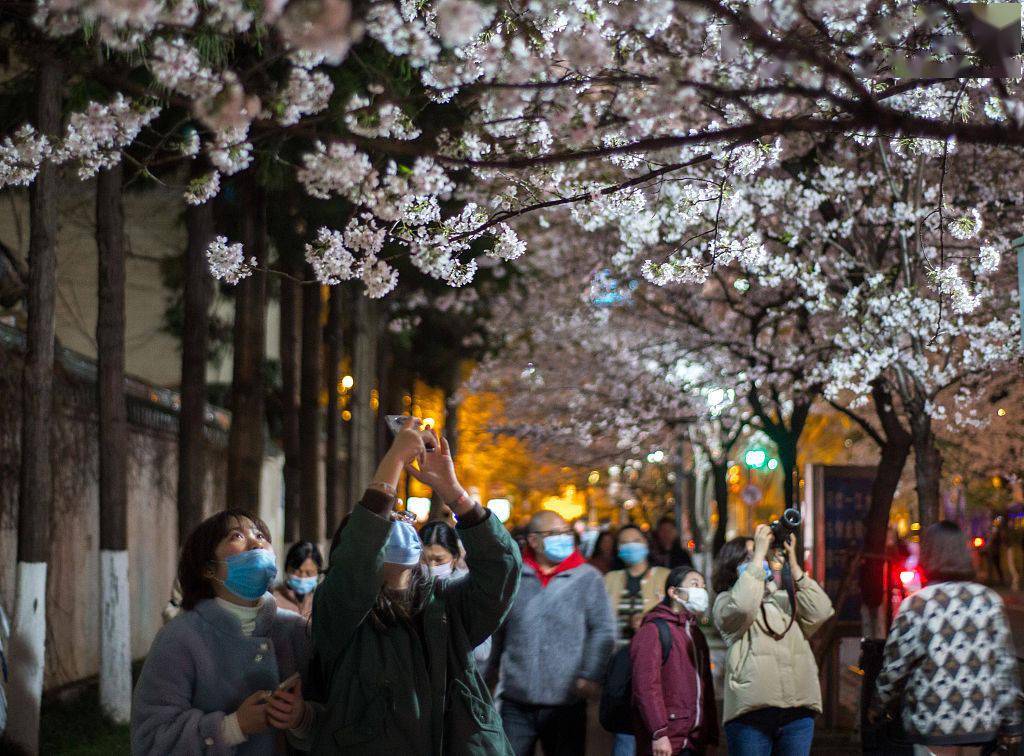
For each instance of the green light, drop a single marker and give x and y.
(773, 463)
(755, 458)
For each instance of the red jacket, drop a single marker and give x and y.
(677, 699)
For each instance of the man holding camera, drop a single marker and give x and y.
(771, 678)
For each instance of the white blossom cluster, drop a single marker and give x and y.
(333, 260)
(21, 156)
(227, 261)
(203, 188)
(949, 282)
(306, 93)
(229, 151)
(95, 137)
(387, 121)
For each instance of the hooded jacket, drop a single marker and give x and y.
(761, 671)
(676, 698)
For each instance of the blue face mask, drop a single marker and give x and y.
(633, 553)
(558, 548)
(403, 545)
(250, 573)
(302, 585)
(764, 564)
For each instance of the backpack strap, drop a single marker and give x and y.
(665, 636)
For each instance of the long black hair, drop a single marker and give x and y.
(300, 552)
(727, 563)
(440, 533)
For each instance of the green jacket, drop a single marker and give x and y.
(412, 689)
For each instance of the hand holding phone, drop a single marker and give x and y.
(289, 682)
(397, 423)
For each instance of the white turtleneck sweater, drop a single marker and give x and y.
(229, 727)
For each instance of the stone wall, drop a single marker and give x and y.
(73, 626)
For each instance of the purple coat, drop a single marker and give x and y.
(201, 667)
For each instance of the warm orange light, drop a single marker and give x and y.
(978, 542)
(691, 544)
(346, 415)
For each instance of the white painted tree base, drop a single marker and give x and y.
(26, 657)
(115, 637)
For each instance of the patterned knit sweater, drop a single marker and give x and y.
(950, 665)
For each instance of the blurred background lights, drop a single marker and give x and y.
(502, 508)
(419, 506)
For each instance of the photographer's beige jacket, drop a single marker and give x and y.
(761, 671)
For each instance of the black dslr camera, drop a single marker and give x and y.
(782, 527)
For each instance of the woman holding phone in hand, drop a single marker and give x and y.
(223, 677)
(396, 646)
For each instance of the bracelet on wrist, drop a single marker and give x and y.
(384, 487)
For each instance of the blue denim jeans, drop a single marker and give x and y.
(771, 732)
(625, 744)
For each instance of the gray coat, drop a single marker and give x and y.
(201, 667)
(554, 635)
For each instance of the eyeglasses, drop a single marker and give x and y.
(546, 533)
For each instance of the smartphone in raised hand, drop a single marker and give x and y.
(395, 423)
(289, 682)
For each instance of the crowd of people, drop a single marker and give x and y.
(459, 640)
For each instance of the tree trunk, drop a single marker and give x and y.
(927, 468)
(438, 510)
(195, 333)
(115, 634)
(786, 447)
(332, 478)
(245, 443)
(786, 440)
(35, 492)
(311, 506)
(290, 379)
(363, 446)
(720, 476)
(385, 366)
(893, 454)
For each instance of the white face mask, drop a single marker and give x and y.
(696, 600)
(441, 570)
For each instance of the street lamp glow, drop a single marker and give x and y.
(594, 477)
(347, 382)
(755, 458)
